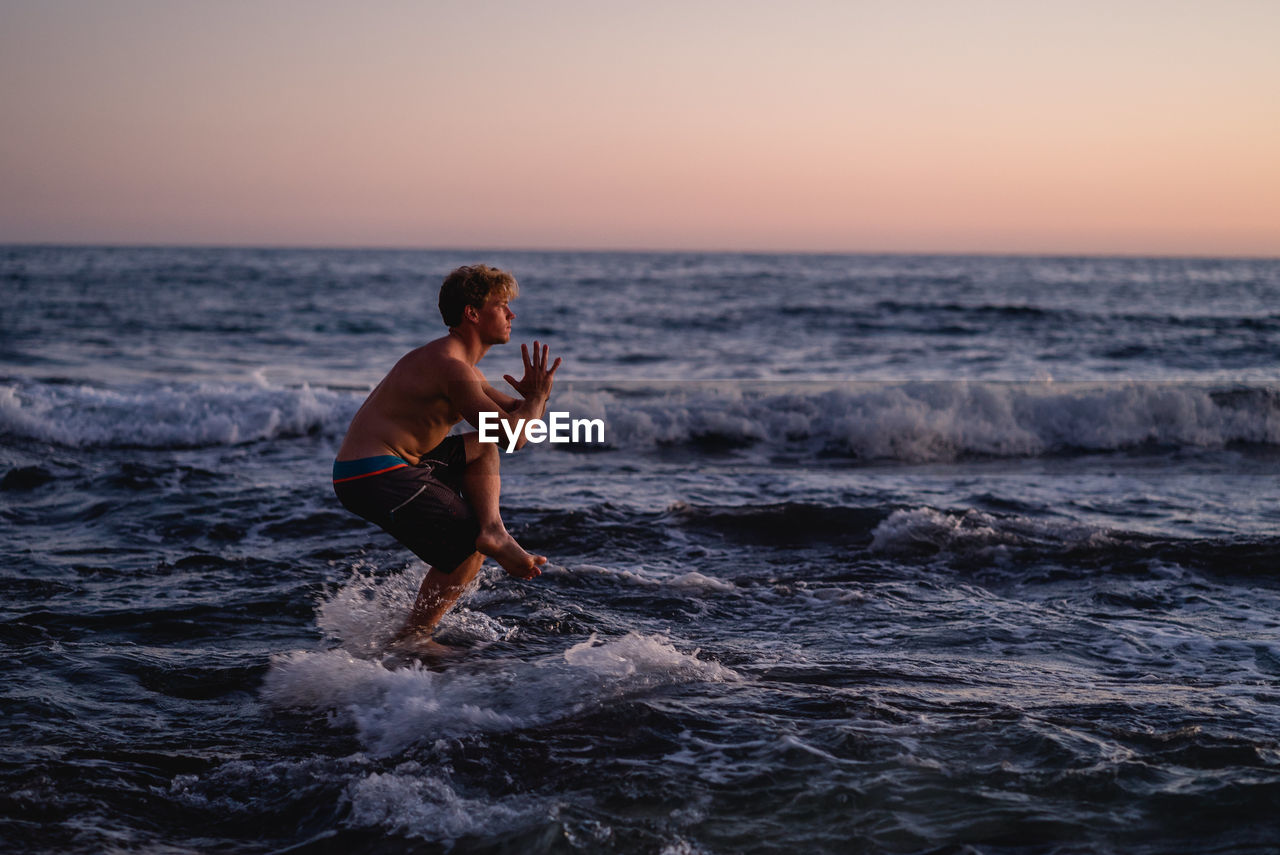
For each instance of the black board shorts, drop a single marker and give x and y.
(419, 505)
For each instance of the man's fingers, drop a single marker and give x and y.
(512, 381)
(536, 361)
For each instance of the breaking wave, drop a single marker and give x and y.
(935, 421)
(906, 422)
(170, 415)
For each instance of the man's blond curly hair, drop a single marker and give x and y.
(473, 285)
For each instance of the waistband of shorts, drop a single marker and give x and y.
(363, 467)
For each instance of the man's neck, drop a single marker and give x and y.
(473, 348)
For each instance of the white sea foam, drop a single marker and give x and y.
(971, 531)
(701, 583)
(391, 708)
(924, 421)
(365, 612)
(910, 422)
(411, 802)
(691, 582)
(170, 415)
(649, 656)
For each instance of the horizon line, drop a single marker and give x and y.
(338, 247)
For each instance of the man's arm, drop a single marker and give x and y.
(470, 394)
(504, 401)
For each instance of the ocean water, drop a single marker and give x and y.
(879, 554)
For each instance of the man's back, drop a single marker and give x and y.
(409, 412)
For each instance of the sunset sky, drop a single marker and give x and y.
(1124, 126)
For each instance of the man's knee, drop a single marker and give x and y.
(477, 451)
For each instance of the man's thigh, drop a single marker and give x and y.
(474, 448)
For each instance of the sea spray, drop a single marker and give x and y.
(393, 708)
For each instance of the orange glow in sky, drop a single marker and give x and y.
(1128, 126)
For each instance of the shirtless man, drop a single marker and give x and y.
(399, 468)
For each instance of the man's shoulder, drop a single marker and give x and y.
(443, 356)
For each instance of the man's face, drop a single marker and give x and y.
(495, 320)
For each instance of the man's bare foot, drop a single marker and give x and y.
(418, 644)
(499, 545)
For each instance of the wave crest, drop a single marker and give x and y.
(168, 416)
(906, 422)
(935, 421)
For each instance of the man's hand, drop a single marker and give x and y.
(537, 379)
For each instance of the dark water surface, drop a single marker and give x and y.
(881, 554)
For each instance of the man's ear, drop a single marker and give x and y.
(471, 313)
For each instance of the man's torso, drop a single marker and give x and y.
(409, 412)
